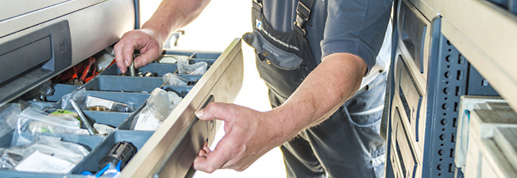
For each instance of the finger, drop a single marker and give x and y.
(206, 149)
(202, 152)
(209, 162)
(118, 56)
(215, 159)
(145, 58)
(215, 110)
(124, 54)
(127, 53)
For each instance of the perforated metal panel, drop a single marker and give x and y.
(449, 77)
(445, 89)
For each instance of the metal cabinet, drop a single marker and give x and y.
(428, 76)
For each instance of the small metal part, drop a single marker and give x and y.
(84, 120)
(192, 82)
(132, 69)
(148, 74)
(98, 108)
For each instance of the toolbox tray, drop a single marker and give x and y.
(111, 85)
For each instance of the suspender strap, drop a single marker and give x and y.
(303, 12)
(258, 2)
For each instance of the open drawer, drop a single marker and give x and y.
(169, 150)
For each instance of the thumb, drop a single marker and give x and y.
(200, 114)
(214, 111)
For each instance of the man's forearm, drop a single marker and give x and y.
(172, 15)
(333, 82)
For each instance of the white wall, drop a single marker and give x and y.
(220, 23)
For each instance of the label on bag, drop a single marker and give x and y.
(94, 101)
(39, 162)
(103, 129)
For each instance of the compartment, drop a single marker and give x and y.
(95, 144)
(412, 33)
(397, 173)
(180, 90)
(405, 153)
(114, 119)
(91, 162)
(411, 99)
(158, 69)
(60, 90)
(128, 124)
(120, 84)
(194, 55)
(399, 116)
(395, 154)
(88, 142)
(138, 84)
(134, 99)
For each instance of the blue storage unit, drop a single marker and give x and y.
(428, 76)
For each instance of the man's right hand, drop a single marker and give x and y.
(145, 41)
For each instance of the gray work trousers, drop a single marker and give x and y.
(347, 144)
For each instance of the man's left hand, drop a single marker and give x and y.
(247, 137)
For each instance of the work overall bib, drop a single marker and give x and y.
(338, 147)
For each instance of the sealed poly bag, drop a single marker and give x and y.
(78, 95)
(198, 68)
(34, 122)
(172, 59)
(9, 114)
(45, 154)
(158, 107)
(174, 80)
(107, 105)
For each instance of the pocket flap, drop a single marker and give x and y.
(276, 56)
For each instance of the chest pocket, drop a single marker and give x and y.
(282, 71)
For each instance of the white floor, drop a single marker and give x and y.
(219, 24)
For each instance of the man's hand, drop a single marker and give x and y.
(247, 137)
(143, 40)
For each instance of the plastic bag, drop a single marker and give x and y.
(45, 154)
(9, 117)
(172, 59)
(33, 122)
(40, 92)
(100, 104)
(172, 79)
(78, 95)
(94, 103)
(105, 60)
(44, 106)
(33, 113)
(159, 105)
(198, 68)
